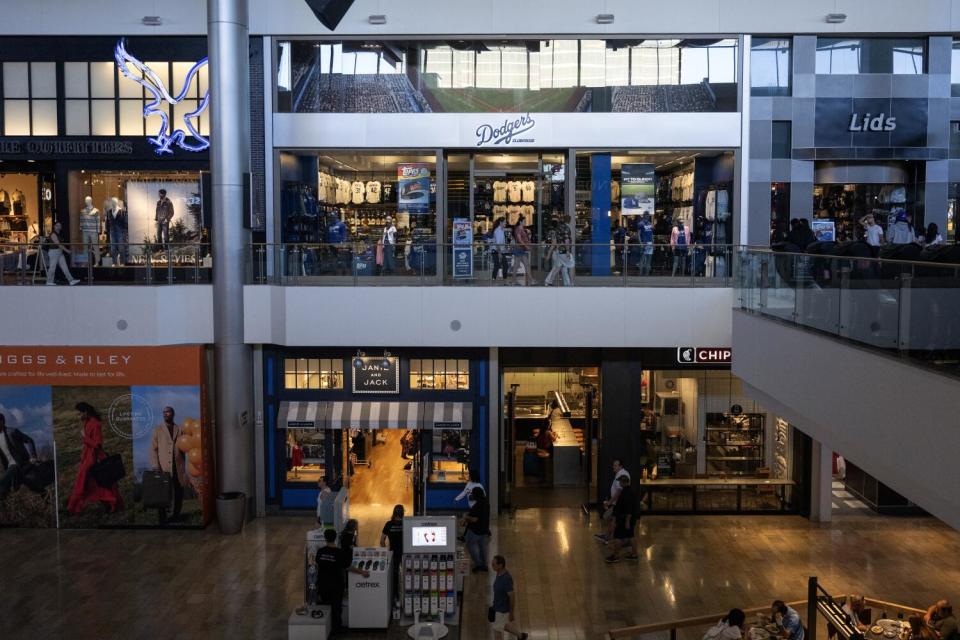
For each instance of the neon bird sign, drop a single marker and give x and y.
(149, 80)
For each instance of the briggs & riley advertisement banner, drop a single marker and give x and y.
(104, 437)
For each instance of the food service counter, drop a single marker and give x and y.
(718, 495)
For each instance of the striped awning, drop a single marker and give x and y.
(373, 415)
(302, 415)
(447, 415)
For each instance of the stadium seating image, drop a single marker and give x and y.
(664, 98)
(360, 93)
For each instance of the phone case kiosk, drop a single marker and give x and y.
(369, 599)
(430, 571)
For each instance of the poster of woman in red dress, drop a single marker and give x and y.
(85, 488)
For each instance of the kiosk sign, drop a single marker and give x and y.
(704, 355)
(376, 374)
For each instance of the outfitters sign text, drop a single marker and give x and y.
(376, 374)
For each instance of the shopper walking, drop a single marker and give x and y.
(521, 253)
(55, 251)
(389, 246)
(625, 517)
(619, 471)
(504, 602)
(498, 249)
(332, 567)
(473, 483)
(392, 533)
(478, 529)
(872, 232)
(559, 252)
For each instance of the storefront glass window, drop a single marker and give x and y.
(30, 98)
(841, 206)
(517, 76)
(953, 208)
(24, 214)
(449, 374)
(313, 373)
(344, 200)
(955, 139)
(782, 139)
(701, 423)
(870, 55)
(136, 192)
(770, 67)
(692, 187)
(955, 69)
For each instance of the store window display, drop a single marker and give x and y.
(844, 205)
(139, 214)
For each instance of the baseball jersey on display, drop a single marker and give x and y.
(499, 191)
(528, 188)
(614, 190)
(358, 190)
(373, 192)
(513, 191)
(513, 214)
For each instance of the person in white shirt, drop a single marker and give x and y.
(498, 249)
(873, 233)
(474, 483)
(389, 245)
(729, 628)
(615, 487)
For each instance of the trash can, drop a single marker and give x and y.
(231, 512)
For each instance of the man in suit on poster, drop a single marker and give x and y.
(165, 457)
(17, 454)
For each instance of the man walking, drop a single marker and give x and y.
(615, 487)
(504, 601)
(625, 516)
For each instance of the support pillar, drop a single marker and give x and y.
(228, 42)
(821, 482)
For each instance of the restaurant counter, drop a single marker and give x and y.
(718, 495)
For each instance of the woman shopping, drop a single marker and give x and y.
(85, 488)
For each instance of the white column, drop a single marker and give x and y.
(742, 195)
(821, 483)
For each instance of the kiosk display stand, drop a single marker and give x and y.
(369, 599)
(430, 575)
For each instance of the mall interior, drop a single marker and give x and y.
(653, 310)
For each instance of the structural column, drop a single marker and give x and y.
(228, 43)
(821, 482)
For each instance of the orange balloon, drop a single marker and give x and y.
(195, 456)
(184, 444)
(194, 470)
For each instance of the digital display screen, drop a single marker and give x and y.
(429, 536)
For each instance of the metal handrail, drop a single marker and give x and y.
(683, 623)
(827, 256)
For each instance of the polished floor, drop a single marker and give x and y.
(199, 584)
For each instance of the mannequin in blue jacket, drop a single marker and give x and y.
(337, 233)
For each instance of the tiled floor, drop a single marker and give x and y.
(199, 584)
(847, 504)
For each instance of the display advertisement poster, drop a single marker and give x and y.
(462, 248)
(637, 189)
(413, 187)
(824, 230)
(68, 408)
(186, 226)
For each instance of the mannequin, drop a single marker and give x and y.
(115, 220)
(90, 225)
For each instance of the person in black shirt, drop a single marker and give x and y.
(393, 533)
(478, 529)
(332, 565)
(624, 513)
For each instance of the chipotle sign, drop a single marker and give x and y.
(376, 374)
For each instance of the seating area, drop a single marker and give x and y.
(663, 98)
(360, 93)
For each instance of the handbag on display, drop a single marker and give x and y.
(109, 471)
(156, 489)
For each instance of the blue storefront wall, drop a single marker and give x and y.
(439, 497)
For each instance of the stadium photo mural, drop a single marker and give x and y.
(97, 444)
(520, 76)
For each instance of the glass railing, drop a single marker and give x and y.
(910, 309)
(44, 264)
(480, 264)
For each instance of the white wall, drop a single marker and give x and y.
(896, 421)
(488, 316)
(495, 17)
(91, 316)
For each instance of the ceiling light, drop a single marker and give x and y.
(836, 18)
(151, 21)
(605, 18)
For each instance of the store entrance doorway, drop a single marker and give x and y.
(551, 424)
(379, 473)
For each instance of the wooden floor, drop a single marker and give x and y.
(199, 584)
(374, 490)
